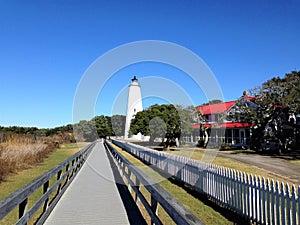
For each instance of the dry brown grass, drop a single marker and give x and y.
(21, 152)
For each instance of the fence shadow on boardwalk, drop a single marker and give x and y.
(133, 212)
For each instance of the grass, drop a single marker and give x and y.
(296, 162)
(17, 180)
(205, 213)
(21, 151)
(18, 156)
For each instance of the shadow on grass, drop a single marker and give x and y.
(227, 213)
(232, 216)
(289, 156)
(235, 152)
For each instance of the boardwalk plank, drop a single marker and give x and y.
(93, 197)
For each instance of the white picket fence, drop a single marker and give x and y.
(258, 199)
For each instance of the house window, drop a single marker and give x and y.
(217, 117)
(236, 136)
(206, 117)
(228, 136)
(242, 136)
(247, 136)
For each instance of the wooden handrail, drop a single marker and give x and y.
(175, 209)
(65, 174)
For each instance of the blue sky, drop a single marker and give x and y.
(46, 47)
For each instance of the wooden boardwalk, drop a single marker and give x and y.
(93, 197)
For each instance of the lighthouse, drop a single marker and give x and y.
(134, 105)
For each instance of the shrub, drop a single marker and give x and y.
(20, 152)
(225, 146)
(200, 143)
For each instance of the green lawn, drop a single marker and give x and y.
(15, 181)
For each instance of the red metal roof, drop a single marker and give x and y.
(250, 98)
(215, 108)
(195, 125)
(221, 108)
(233, 125)
(229, 125)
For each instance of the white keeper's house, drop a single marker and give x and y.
(232, 132)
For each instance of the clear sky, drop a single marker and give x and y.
(46, 47)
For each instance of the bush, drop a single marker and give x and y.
(200, 143)
(20, 152)
(225, 146)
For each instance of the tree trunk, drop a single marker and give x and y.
(167, 144)
(177, 142)
(151, 139)
(205, 138)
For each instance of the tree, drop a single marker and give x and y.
(158, 121)
(103, 126)
(140, 123)
(157, 128)
(118, 124)
(214, 101)
(291, 87)
(188, 116)
(85, 131)
(276, 101)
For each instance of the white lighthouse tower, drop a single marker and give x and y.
(134, 105)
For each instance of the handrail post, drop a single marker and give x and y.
(154, 208)
(80, 161)
(129, 174)
(138, 189)
(69, 175)
(67, 171)
(58, 177)
(45, 189)
(23, 207)
(72, 166)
